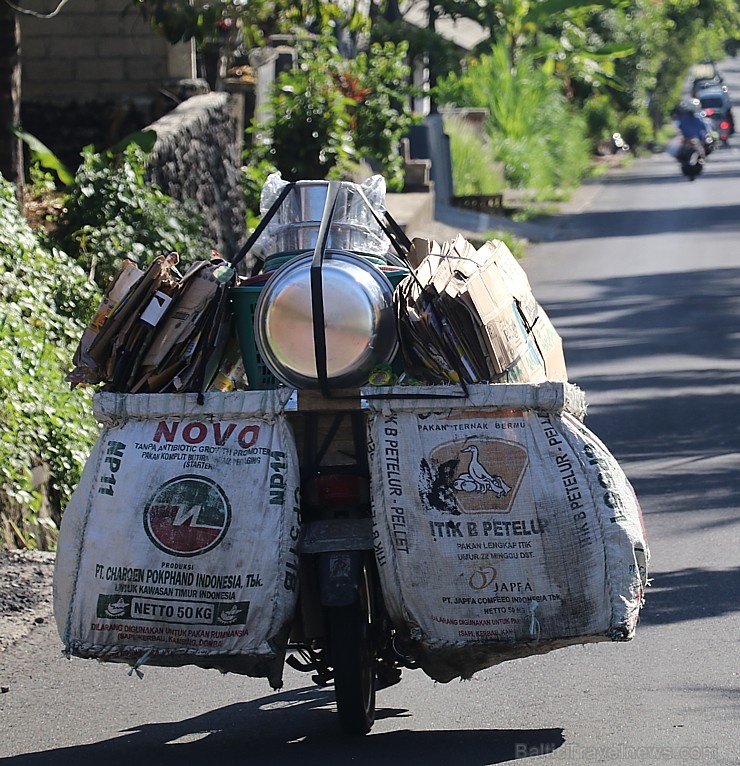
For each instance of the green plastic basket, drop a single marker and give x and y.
(276, 260)
(395, 275)
(244, 301)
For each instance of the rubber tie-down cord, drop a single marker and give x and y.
(141, 661)
(534, 623)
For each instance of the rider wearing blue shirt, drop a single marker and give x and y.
(690, 122)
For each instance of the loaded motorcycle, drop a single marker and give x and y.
(235, 529)
(342, 632)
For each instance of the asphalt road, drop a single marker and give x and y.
(643, 284)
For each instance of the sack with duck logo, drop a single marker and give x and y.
(504, 527)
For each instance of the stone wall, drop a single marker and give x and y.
(198, 156)
(96, 72)
(96, 50)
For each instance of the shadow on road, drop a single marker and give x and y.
(709, 214)
(295, 727)
(692, 594)
(672, 419)
(626, 223)
(683, 349)
(721, 164)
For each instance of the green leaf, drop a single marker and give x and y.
(549, 8)
(45, 157)
(142, 138)
(614, 50)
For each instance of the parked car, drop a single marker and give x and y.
(715, 102)
(706, 75)
(704, 83)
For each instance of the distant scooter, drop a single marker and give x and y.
(692, 157)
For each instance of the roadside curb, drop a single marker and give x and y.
(421, 215)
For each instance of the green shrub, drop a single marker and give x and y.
(533, 130)
(112, 212)
(43, 294)
(600, 117)
(46, 300)
(474, 170)
(309, 130)
(637, 130)
(329, 112)
(380, 115)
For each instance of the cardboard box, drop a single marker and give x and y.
(520, 337)
(490, 326)
(87, 370)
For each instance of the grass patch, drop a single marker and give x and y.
(514, 243)
(474, 168)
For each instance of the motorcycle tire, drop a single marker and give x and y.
(353, 660)
(692, 169)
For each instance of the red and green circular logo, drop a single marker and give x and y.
(187, 516)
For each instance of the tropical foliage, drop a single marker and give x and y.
(256, 20)
(111, 212)
(635, 52)
(532, 128)
(43, 299)
(329, 113)
(474, 166)
(632, 55)
(47, 297)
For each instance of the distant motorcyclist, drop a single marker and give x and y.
(693, 150)
(690, 120)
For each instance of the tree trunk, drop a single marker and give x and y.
(11, 155)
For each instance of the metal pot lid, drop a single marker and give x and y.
(359, 321)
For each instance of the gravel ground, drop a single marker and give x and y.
(25, 593)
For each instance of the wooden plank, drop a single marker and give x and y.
(341, 448)
(341, 400)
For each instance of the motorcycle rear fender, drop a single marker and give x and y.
(340, 547)
(340, 574)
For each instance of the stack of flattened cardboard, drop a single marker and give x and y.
(469, 315)
(186, 349)
(157, 330)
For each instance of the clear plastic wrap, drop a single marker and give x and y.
(295, 225)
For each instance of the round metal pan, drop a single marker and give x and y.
(359, 321)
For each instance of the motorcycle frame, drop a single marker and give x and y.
(336, 544)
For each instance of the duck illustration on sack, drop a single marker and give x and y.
(445, 487)
(229, 615)
(478, 479)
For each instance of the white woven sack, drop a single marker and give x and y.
(178, 546)
(505, 527)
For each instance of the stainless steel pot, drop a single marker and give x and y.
(295, 225)
(306, 203)
(342, 236)
(359, 321)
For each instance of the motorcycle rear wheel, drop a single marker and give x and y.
(353, 660)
